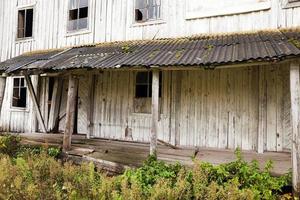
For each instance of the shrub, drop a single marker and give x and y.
(9, 144)
(34, 174)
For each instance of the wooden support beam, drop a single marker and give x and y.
(55, 104)
(70, 112)
(262, 110)
(155, 112)
(35, 103)
(34, 121)
(295, 111)
(91, 103)
(2, 90)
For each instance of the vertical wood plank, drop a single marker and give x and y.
(295, 106)
(35, 103)
(70, 112)
(262, 111)
(55, 104)
(155, 111)
(91, 106)
(2, 90)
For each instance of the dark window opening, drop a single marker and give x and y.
(73, 14)
(78, 15)
(83, 12)
(19, 93)
(143, 87)
(146, 10)
(25, 23)
(138, 15)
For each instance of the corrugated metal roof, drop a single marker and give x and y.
(26, 59)
(191, 51)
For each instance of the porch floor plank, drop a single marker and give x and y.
(125, 153)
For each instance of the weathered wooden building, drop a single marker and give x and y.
(223, 74)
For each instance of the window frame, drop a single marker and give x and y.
(33, 22)
(146, 100)
(150, 21)
(148, 84)
(82, 30)
(290, 4)
(16, 108)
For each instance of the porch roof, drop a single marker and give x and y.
(204, 50)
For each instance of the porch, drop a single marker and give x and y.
(115, 155)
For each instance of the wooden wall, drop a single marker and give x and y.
(14, 119)
(224, 108)
(112, 20)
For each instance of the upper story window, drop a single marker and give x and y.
(19, 98)
(146, 10)
(78, 15)
(25, 23)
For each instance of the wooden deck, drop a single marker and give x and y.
(115, 156)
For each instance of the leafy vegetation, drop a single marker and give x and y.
(38, 174)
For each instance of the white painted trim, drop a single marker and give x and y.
(79, 31)
(286, 4)
(26, 6)
(147, 23)
(228, 10)
(26, 39)
(14, 108)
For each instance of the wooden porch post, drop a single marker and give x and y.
(2, 90)
(155, 112)
(91, 103)
(295, 111)
(35, 103)
(70, 112)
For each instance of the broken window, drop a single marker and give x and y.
(78, 15)
(146, 10)
(19, 93)
(143, 92)
(143, 87)
(25, 23)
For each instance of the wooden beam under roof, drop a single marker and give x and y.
(155, 112)
(35, 102)
(295, 111)
(70, 112)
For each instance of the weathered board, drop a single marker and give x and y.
(223, 108)
(114, 21)
(215, 108)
